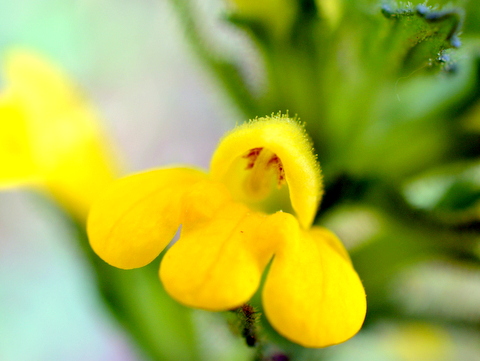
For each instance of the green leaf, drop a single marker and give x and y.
(419, 37)
(450, 193)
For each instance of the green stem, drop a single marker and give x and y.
(228, 74)
(160, 327)
(248, 318)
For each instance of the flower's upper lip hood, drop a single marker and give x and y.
(287, 139)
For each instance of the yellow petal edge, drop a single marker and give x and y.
(312, 294)
(136, 218)
(218, 261)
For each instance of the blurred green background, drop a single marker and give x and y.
(390, 95)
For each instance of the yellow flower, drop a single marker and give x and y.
(49, 137)
(233, 226)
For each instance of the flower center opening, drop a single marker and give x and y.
(264, 173)
(257, 178)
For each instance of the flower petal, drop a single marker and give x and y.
(218, 261)
(138, 216)
(18, 167)
(71, 153)
(312, 294)
(287, 140)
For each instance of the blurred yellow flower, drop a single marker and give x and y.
(49, 137)
(257, 202)
(331, 10)
(277, 16)
(417, 340)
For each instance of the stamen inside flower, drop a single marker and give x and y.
(257, 178)
(264, 169)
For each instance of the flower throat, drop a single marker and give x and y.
(265, 172)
